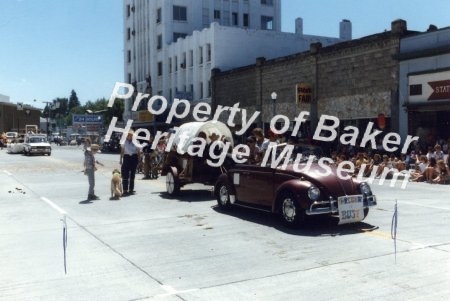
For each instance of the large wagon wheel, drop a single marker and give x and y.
(172, 182)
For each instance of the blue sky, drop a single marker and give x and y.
(49, 47)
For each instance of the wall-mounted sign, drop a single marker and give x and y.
(303, 93)
(85, 119)
(429, 87)
(145, 116)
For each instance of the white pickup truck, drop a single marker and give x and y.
(37, 144)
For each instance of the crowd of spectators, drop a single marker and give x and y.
(429, 164)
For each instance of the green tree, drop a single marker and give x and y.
(60, 106)
(73, 100)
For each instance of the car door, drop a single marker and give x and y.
(255, 185)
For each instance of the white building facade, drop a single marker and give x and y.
(4, 98)
(171, 46)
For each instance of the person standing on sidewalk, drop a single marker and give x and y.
(148, 153)
(129, 157)
(89, 169)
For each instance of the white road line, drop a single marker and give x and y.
(54, 206)
(171, 291)
(50, 203)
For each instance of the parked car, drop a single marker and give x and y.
(16, 145)
(37, 144)
(293, 195)
(11, 136)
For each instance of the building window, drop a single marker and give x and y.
(170, 65)
(226, 18)
(129, 78)
(192, 89)
(183, 61)
(209, 89)
(129, 56)
(160, 68)
(159, 42)
(158, 15)
(200, 55)
(128, 33)
(128, 10)
(179, 13)
(177, 35)
(201, 90)
(266, 22)
(234, 17)
(245, 20)
(216, 14)
(191, 58)
(205, 17)
(175, 63)
(208, 52)
(267, 2)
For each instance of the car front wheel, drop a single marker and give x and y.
(292, 215)
(223, 196)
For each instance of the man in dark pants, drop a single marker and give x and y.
(129, 157)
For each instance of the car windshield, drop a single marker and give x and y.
(37, 139)
(290, 153)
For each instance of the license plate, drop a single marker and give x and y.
(351, 209)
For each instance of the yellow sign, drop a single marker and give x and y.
(145, 116)
(303, 93)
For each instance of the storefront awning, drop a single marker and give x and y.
(440, 105)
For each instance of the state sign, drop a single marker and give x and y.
(441, 90)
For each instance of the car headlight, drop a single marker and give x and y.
(365, 189)
(314, 193)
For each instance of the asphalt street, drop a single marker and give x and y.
(152, 247)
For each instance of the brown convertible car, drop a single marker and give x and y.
(295, 195)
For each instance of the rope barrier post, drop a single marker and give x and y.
(394, 229)
(64, 242)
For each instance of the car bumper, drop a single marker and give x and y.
(331, 206)
(39, 151)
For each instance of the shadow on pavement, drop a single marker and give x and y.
(85, 202)
(315, 226)
(190, 195)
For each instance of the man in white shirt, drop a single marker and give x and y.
(129, 159)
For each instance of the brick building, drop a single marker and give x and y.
(355, 81)
(13, 117)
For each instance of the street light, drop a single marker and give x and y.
(274, 100)
(27, 111)
(51, 106)
(95, 112)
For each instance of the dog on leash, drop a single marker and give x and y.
(116, 185)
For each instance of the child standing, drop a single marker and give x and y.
(89, 169)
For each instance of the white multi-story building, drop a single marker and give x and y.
(171, 46)
(4, 98)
